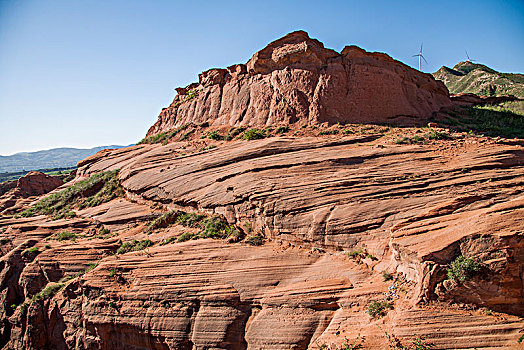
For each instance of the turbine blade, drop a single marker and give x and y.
(421, 47)
(424, 59)
(415, 55)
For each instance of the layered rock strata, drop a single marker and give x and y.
(295, 80)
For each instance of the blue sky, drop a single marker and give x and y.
(89, 73)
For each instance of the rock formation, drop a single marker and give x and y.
(32, 184)
(304, 236)
(296, 80)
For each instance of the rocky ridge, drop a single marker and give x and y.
(295, 80)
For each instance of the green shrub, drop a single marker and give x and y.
(254, 134)
(378, 308)
(164, 220)
(65, 236)
(208, 147)
(233, 132)
(214, 135)
(437, 135)
(410, 140)
(233, 233)
(371, 256)
(462, 269)
(78, 274)
(168, 240)
(213, 227)
(186, 236)
(282, 129)
(30, 251)
(187, 135)
(23, 308)
(48, 292)
(134, 246)
(112, 273)
(190, 220)
(355, 253)
(347, 132)
(328, 132)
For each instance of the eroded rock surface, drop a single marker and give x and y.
(296, 80)
(32, 184)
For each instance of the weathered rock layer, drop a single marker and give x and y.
(296, 80)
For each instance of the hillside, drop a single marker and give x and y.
(263, 211)
(479, 79)
(47, 159)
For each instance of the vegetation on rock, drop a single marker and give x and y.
(462, 269)
(97, 189)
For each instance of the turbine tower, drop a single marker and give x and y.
(469, 59)
(420, 57)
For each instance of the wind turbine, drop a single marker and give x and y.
(419, 55)
(469, 59)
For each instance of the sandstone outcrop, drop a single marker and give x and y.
(32, 184)
(295, 80)
(303, 236)
(411, 208)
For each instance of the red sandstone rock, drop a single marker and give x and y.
(36, 183)
(296, 80)
(32, 184)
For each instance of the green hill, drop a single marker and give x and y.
(480, 79)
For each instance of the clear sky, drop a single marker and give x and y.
(89, 73)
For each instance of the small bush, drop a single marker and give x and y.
(208, 147)
(386, 276)
(186, 236)
(214, 135)
(254, 134)
(437, 135)
(65, 236)
(462, 269)
(23, 308)
(187, 135)
(372, 257)
(168, 240)
(233, 234)
(255, 240)
(378, 308)
(347, 132)
(164, 220)
(233, 132)
(410, 140)
(355, 253)
(328, 132)
(282, 129)
(48, 292)
(30, 251)
(112, 273)
(213, 227)
(134, 246)
(190, 220)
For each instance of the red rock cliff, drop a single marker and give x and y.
(296, 80)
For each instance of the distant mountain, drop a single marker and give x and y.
(480, 79)
(52, 158)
